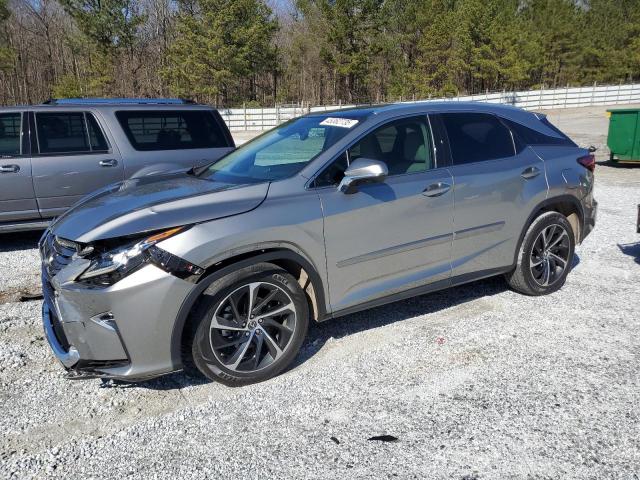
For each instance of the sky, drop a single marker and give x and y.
(281, 6)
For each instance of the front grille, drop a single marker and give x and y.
(56, 253)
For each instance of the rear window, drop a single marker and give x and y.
(69, 132)
(533, 137)
(10, 134)
(171, 129)
(477, 137)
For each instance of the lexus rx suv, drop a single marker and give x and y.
(219, 270)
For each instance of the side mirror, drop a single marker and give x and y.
(362, 170)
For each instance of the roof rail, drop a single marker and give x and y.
(118, 101)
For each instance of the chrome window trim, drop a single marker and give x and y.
(433, 144)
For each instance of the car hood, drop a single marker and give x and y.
(155, 202)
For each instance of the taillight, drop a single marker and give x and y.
(588, 162)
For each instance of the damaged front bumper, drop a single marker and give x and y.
(82, 352)
(122, 331)
(69, 356)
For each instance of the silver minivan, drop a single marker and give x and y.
(221, 269)
(52, 155)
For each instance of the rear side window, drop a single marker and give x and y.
(69, 132)
(96, 137)
(171, 129)
(10, 129)
(532, 137)
(477, 137)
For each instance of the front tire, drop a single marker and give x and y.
(545, 256)
(247, 327)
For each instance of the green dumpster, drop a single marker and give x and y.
(624, 134)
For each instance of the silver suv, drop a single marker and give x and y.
(54, 154)
(220, 270)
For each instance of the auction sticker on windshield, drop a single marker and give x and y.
(339, 122)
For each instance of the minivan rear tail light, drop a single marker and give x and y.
(588, 162)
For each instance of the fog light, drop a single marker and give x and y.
(105, 320)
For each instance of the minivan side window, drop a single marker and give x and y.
(477, 137)
(171, 129)
(69, 132)
(96, 137)
(10, 130)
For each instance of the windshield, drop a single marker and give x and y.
(281, 152)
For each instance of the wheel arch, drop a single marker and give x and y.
(293, 262)
(567, 205)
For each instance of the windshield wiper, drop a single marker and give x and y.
(196, 171)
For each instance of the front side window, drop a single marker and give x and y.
(171, 129)
(69, 132)
(404, 145)
(477, 137)
(10, 131)
(281, 152)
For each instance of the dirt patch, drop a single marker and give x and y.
(22, 294)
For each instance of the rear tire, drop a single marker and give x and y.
(266, 314)
(545, 256)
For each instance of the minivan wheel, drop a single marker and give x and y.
(247, 327)
(545, 256)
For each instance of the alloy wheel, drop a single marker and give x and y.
(550, 255)
(252, 327)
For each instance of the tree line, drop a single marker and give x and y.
(256, 52)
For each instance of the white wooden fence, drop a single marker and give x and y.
(265, 118)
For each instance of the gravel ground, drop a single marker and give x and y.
(475, 382)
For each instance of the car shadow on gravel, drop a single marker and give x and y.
(320, 333)
(426, 304)
(631, 249)
(11, 242)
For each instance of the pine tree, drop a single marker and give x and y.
(111, 28)
(350, 42)
(219, 46)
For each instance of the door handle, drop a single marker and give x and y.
(530, 172)
(436, 189)
(108, 163)
(9, 169)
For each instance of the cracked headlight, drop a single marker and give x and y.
(110, 265)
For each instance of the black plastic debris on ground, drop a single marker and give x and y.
(384, 438)
(335, 440)
(29, 297)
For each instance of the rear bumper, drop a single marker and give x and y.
(590, 216)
